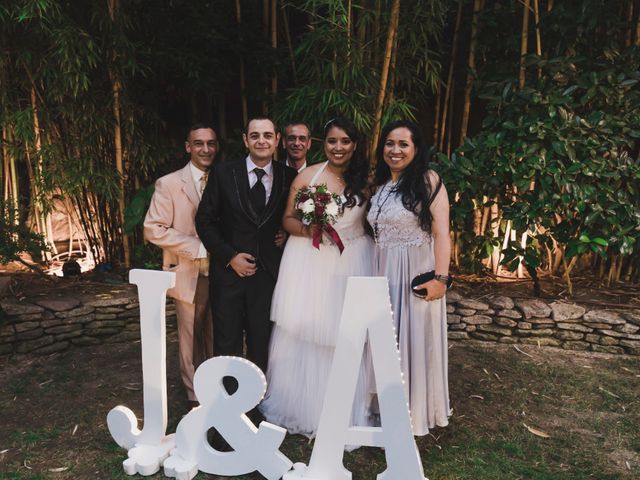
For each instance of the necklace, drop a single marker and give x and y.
(338, 177)
(380, 203)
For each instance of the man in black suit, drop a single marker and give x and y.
(238, 221)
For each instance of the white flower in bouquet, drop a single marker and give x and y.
(308, 206)
(332, 208)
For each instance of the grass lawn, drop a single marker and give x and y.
(53, 415)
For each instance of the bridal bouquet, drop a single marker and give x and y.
(317, 207)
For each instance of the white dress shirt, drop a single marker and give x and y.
(197, 174)
(267, 180)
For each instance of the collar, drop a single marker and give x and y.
(196, 173)
(292, 165)
(250, 166)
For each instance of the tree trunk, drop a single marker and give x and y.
(243, 86)
(391, 36)
(524, 43)
(449, 84)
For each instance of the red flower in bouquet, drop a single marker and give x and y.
(319, 208)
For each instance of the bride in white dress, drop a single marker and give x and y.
(308, 296)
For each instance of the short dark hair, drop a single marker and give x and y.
(260, 117)
(200, 125)
(296, 122)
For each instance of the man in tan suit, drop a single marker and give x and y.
(170, 224)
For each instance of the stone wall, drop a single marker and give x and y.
(532, 321)
(50, 323)
(45, 323)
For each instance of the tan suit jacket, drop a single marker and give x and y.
(170, 224)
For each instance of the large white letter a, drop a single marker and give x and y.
(366, 308)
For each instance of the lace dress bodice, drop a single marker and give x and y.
(392, 223)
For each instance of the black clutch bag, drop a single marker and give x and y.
(425, 277)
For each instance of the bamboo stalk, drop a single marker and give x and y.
(116, 89)
(485, 215)
(505, 244)
(349, 9)
(391, 34)
(265, 30)
(376, 32)
(436, 116)
(44, 216)
(567, 272)
(495, 229)
(638, 31)
(449, 84)
(243, 86)
(449, 127)
(629, 33)
(287, 33)
(536, 16)
(524, 43)
(15, 193)
(6, 174)
(274, 45)
(471, 66)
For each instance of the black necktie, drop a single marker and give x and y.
(258, 193)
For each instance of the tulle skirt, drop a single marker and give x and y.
(306, 309)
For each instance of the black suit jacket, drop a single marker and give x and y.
(227, 223)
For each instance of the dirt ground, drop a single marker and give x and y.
(519, 412)
(506, 403)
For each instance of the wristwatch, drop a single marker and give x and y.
(446, 279)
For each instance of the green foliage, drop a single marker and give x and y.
(559, 157)
(16, 238)
(338, 68)
(135, 212)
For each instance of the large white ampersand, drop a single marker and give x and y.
(254, 448)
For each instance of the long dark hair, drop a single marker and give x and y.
(414, 186)
(355, 175)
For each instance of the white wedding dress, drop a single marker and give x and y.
(306, 309)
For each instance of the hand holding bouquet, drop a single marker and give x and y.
(319, 208)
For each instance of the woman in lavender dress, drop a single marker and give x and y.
(409, 215)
